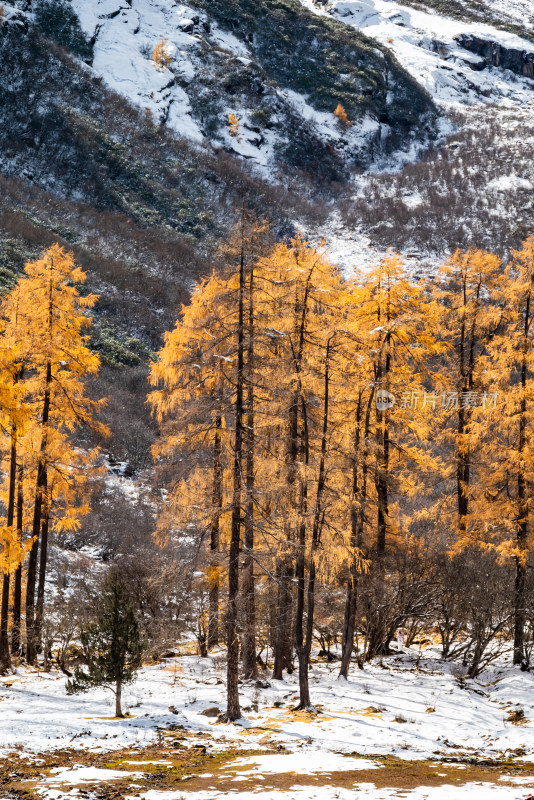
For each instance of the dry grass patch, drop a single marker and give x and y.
(517, 717)
(193, 769)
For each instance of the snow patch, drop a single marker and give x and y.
(75, 775)
(509, 183)
(302, 763)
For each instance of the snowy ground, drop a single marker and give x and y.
(409, 708)
(359, 715)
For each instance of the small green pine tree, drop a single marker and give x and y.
(112, 643)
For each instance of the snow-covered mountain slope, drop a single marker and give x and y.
(509, 14)
(439, 52)
(516, 12)
(281, 71)
(124, 36)
(282, 68)
(221, 61)
(474, 188)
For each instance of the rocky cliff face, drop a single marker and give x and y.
(495, 54)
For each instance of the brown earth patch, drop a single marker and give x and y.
(191, 768)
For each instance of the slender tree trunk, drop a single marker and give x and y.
(520, 597)
(284, 616)
(42, 569)
(250, 666)
(31, 642)
(282, 632)
(522, 496)
(304, 646)
(304, 679)
(213, 621)
(5, 658)
(118, 698)
(233, 710)
(17, 589)
(382, 492)
(357, 520)
(282, 654)
(467, 368)
(382, 482)
(304, 689)
(282, 645)
(463, 475)
(463, 451)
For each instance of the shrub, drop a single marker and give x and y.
(57, 20)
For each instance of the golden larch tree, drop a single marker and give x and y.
(15, 415)
(503, 424)
(55, 318)
(233, 126)
(470, 316)
(161, 55)
(342, 116)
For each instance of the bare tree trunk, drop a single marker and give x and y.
(213, 621)
(17, 589)
(300, 646)
(349, 618)
(467, 367)
(118, 698)
(357, 519)
(5, 657)
(522, 496)
(202, 644)
(31, 642)
(42, 569)
(250, 666)
(282, 653)
(282, 644)
(284, 620)
(463, 454)
(304, 647)
(300, 571)
(233, 710)
(382, 479)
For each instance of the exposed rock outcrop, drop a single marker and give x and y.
(497, 55)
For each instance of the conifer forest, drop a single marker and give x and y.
(266, 399)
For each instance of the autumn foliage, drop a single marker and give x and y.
(361, 437)
(342, 116)
(45, 363)
(277, 376)
(161, 55)
(233, 125)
